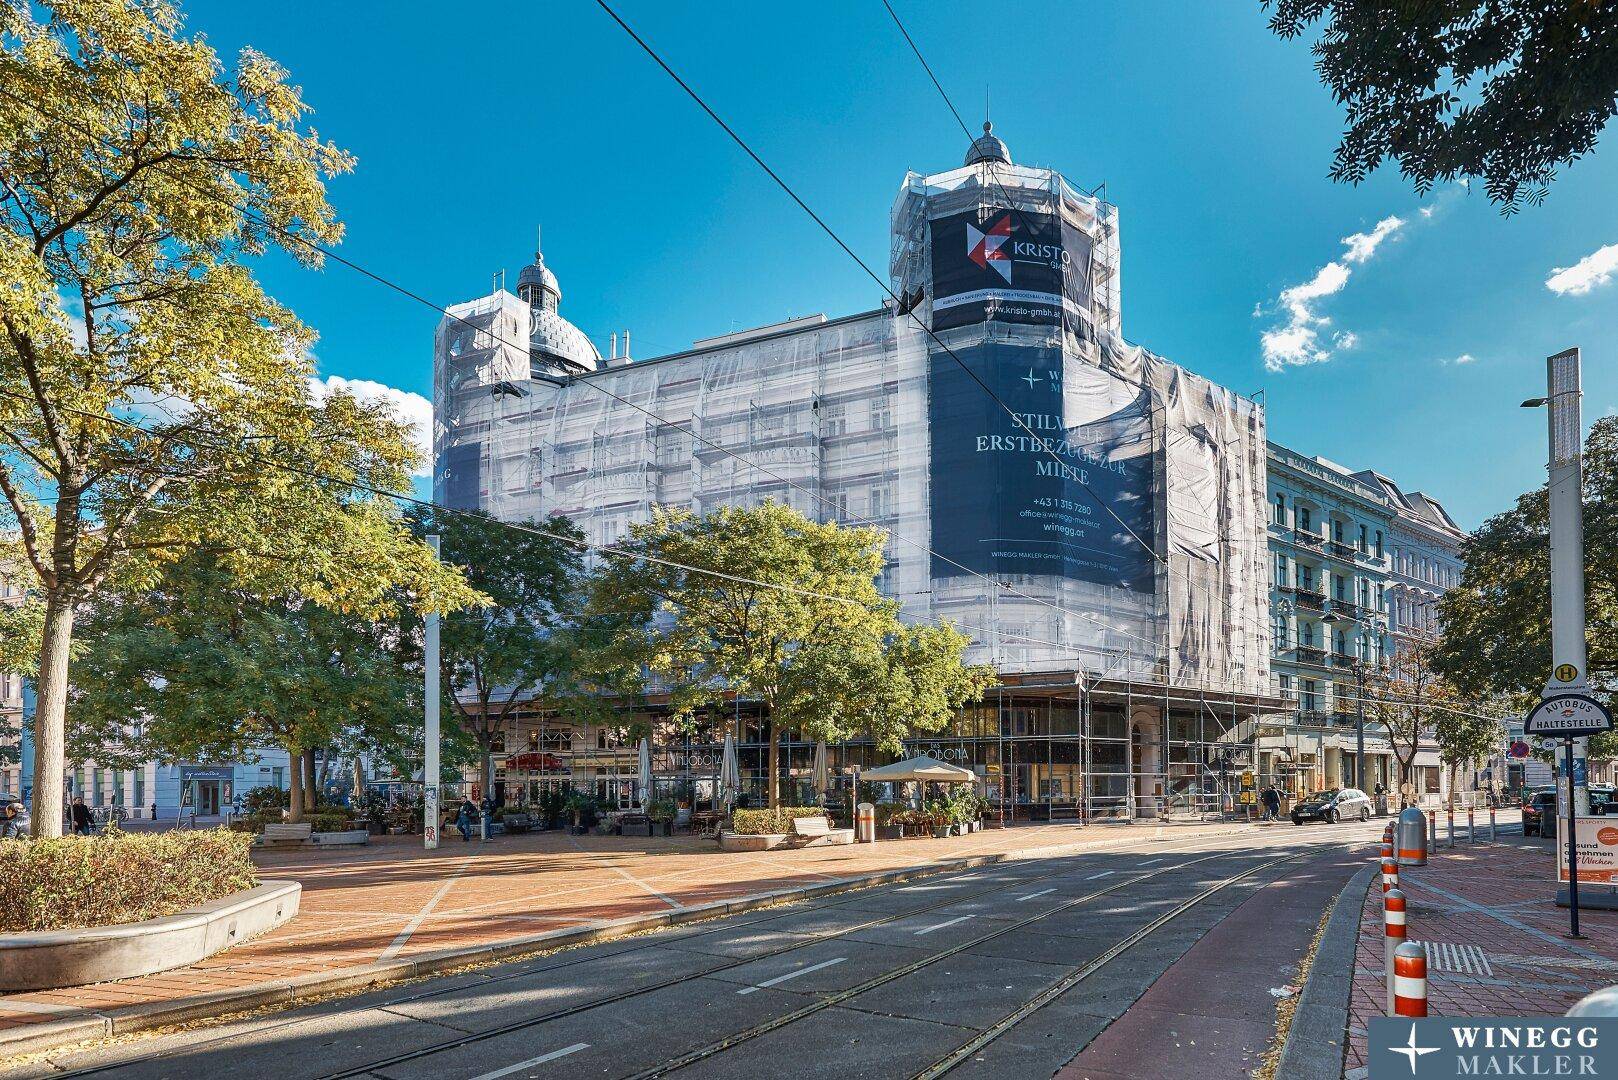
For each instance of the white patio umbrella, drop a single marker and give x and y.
(730, 773)
(645, 778)
(822, 776)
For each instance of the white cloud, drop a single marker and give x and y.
(1594, 269)
(1298, 340)
(414, 409)
(1362, 246)
(1464, 358)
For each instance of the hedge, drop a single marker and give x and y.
(80, 881)
(763, 822)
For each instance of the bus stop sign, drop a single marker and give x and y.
(1568, 716)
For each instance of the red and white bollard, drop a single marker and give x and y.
(1387, 834)
(1432, 830)
(1390, 876)
(1393, 935)
(1493, 835)
(1410, 980)
(1449, 816)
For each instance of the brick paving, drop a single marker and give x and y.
(393, 900)
(1498, 900)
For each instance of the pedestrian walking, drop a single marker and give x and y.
(82, 821)
(12, 823)
(1272, 804)
(463, 820)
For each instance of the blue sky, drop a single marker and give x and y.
(472, 124)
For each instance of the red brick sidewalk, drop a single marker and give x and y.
(1495, 937)
(393, 900)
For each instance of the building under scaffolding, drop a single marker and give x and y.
(1092, 515)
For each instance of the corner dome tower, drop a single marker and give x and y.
(555, 346)
(987, 147)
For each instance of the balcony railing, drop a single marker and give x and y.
(1339, 550)
(1314, 716)
(1311, 601)
(1343, 609)
(1307, 538)
(1309, 655)
(1343, 659)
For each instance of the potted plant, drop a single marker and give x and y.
(938, 817)
(582, 807)
(661, 814)
(889, 822)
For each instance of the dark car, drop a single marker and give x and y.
(1333, 805)
(1539, 809)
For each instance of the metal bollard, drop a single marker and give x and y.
(1390, 876)
(1387, 851)
(1601, 1003)
(1410, 980)
(1413, 837)
(1393, 935)
(1449, 815)
(1471, 827)
(1493, 834)
(1432, 829)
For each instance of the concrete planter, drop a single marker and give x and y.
(729, 841)
(340, 839)
(58, 958)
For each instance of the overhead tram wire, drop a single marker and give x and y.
(1042, 443)
(662, 421)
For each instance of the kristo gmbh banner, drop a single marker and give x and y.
(1011, 266)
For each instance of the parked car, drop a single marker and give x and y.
(1539, 814)
(1333, 805)
(9, 825)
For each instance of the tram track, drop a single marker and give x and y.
(964, 1052)
(1125, 880)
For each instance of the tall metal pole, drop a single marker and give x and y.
(429, 768)
(1566, 489)
(1359, 721)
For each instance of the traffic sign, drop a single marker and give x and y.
(1519, 749)
(1568, 716)
(1566, 673)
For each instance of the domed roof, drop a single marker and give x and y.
(988, 147)
(537, 273)
(553, 338)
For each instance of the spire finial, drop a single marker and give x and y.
(539, 244)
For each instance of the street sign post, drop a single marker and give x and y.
(1569, 716)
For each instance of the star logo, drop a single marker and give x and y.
(988, 247)
(1031, 379)
(1411, 1051)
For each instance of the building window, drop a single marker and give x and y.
(1309, 695)
(1306, 635)
(879, 502)
(1286, 685)
(1337, 532)
(1379, 543)
(1280, 632)
(1340, 588)
(881, 413)
(834, 421)
(1280, 509)
(1306, 578)
(1280, 571)
(1304, 521)
(1363, 544)
(1342, 644)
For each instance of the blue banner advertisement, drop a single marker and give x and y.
(1066, 493)
(1010, 266)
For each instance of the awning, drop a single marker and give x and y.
(920, 768)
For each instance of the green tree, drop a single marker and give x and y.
(1406, 695)
(784, 611)
(1503, 92)
(198, 666)
(136, 180)
(523, 648)
(1463, 738)
(1497, 622)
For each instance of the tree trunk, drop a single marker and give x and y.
(50, 713)
(308, 766)
(295, 792)
(772, 782)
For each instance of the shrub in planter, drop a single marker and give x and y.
(118, 877)
(661, 813)
(264, 800)
(330, 821)
(770, 822)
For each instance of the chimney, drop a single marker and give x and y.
(619, 358)
(613, 353)
(626, 344)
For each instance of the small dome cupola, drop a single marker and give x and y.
(988, 147)
(555, 346)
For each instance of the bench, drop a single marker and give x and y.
(817, 832)
(516, 823)
(288, 834)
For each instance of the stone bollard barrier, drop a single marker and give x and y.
(1410, 980)
(1393, 935)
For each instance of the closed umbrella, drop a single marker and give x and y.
(730, 773)
(645, 772)
(822, 779)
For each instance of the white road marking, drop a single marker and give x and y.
(632, 879)
(779, 979)
(1041, 892)
(1104, 873)
(1150, 862)
(414, 924)
(940, 926)
(540, 1060)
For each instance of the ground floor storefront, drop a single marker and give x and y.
(1041, 751)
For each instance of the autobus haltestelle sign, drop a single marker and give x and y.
(1568, 715)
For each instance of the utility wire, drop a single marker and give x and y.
(662, 421)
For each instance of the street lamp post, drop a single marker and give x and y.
(429, 768)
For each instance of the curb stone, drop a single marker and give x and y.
(1315, 1042)
(34, 1038)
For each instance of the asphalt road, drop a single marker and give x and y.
(1007, 972)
